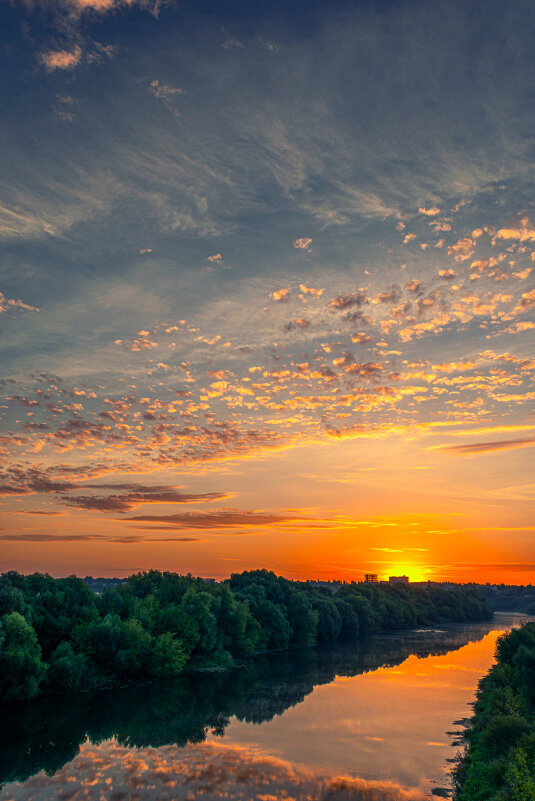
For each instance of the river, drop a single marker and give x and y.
(373, 721)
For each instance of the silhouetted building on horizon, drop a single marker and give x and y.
(371, 578)
(398, 579)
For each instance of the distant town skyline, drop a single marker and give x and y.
(267, 288)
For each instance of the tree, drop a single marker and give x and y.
(21, 667)
(68, 670)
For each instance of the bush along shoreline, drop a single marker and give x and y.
(57, 635)
(498, 763)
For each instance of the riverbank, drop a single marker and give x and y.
(499, 761)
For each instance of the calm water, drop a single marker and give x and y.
(376, 721)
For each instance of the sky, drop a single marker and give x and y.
(267, 288)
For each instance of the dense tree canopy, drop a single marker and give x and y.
(499, 764)
(57, 635)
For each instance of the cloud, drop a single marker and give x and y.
(308, 290)
(510, 567)
(485, 447)
(413, 286)
(44, 512)
(293, 325)
(126, 539)
(18, 481)
(281, 295)
(526, 302)
(524, 232)
(95, 5)
(136, 496)
(518, 328)
(139, 343)
(167, 94)
(462, 249)
(71, 10)
(222, 519)
(61, 59)
(7, 304)
(349, 301)
(432, 211)
(361, 338)
(127, 496)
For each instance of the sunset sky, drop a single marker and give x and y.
(268, 288)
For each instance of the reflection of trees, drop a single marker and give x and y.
(46, 733)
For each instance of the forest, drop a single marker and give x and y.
(499, 762)
(57, 635)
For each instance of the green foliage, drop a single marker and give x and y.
(499, 764)
(21, 668)
(168, 656)
(67, 669)
(159, 624)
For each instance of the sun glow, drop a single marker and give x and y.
(414, 572)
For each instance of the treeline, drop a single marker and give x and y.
(510, 598)
(57, 635)
(499, 763)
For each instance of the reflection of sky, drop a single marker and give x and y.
(208, 772)
(266, 285)
(383, 732)
(391, 722)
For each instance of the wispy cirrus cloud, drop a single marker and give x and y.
(486, 447)
(219, 519)
(137, 495)
(67, 537)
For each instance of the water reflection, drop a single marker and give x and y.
(202, 772)
(375, 713)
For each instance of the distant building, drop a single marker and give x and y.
(371, 578)
(398, 579)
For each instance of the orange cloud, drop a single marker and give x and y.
(303, 243)
(432, 211)
(308, 290)
(62, 59)
(360, 338)
(281, 294)
(524, 232)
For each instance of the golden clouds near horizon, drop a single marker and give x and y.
(342, 404)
